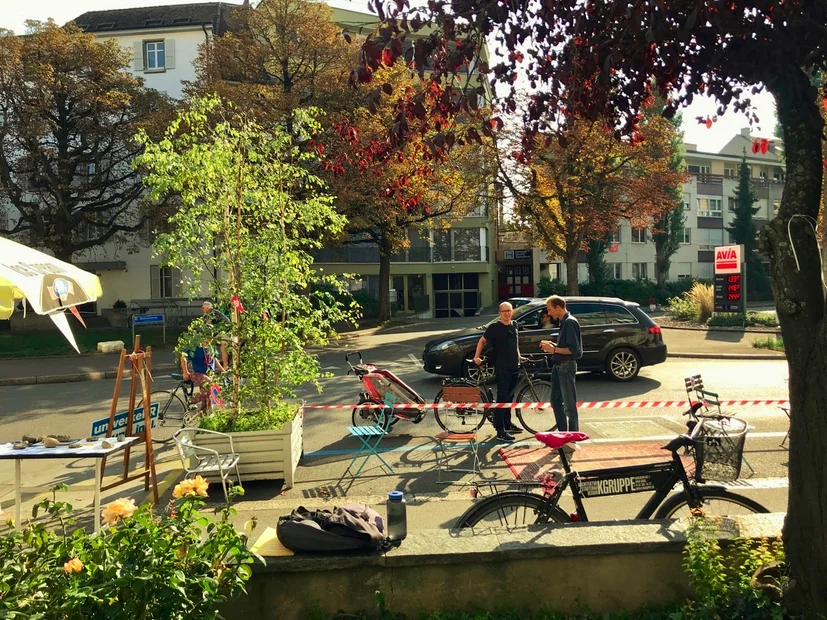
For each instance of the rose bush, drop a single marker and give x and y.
(179, 564)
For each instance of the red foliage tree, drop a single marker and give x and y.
(595, 59)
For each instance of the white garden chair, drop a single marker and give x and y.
(200, 460)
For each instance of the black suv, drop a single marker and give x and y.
(618, 338)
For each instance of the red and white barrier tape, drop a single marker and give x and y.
(604, 404)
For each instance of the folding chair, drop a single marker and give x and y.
(460, 444)
(787, 436)
(695, 384)
(371, 437)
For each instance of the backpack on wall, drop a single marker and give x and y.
(349, 527)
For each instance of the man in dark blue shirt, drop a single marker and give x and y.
(564, 356)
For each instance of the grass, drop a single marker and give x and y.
(46, 342)
(770, 342)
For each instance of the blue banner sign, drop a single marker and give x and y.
(99, 427)
(147, 319)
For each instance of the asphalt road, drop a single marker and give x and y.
(70, 409)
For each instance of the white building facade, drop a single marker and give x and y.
(709, 205)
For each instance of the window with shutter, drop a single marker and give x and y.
(154, 281)
(169, 62)
(138, 58)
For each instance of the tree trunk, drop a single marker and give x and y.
(63, 254)
(800, 302)
(572, 285)
(384, 279)
(661, 271)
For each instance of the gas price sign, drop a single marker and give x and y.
(729, 292)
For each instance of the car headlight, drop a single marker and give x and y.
(441, 346)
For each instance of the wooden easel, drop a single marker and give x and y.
(141, 362)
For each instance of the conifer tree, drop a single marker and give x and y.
(742, 229)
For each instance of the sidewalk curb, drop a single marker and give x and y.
(729, 356)
(76, 377)
(715, 328)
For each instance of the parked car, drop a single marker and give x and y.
(618, 338)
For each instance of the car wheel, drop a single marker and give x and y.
(472, 372)
(623, 364)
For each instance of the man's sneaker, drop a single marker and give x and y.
(504, 436)
(514, 429)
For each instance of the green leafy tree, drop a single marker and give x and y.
(742, 228)
(250, 212)
(667, 231)
(69, 110)
(667, 235)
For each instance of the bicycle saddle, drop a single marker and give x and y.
(558, 440)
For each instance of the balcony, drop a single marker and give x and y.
(370, 254)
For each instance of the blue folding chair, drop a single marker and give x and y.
(371, 437)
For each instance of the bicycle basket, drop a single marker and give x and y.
(719, 449)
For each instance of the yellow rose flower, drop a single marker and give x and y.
(199, 485)
(73, 566)
(119, 509)
(182, 489)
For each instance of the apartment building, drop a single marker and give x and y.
(445, 272)
(708, 203)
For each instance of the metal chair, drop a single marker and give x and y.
(200, 460)
(461, 444)
(787, 436)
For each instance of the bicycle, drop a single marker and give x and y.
(529, 388)
(716, 445)
(175, 411)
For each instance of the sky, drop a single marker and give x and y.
(13, 14)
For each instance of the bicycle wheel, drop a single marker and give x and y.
(173, 414)
(368, 417)
(714, 502)
(511, 509)
(536, 420)
(460, 420)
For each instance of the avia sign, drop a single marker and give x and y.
(728, 259)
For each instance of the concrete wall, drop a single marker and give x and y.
(603, 567)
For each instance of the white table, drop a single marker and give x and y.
(90, 450)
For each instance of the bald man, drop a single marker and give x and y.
(501, 336)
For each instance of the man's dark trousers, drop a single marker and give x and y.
(506, 382)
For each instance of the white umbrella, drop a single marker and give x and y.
(48, 284)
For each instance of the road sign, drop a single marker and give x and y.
(99, 427)
(728, 258)
(147, 319)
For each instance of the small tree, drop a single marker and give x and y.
(742, 228)
(667, 235)
(596, 261)
(667, 232)
(250, 212)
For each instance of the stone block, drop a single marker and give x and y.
(110, 346)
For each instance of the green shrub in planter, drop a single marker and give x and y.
(223, 420)
(179, 565)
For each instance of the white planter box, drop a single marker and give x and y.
(264, 455)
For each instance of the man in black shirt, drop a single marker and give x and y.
(564, 356)
(502, 337)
